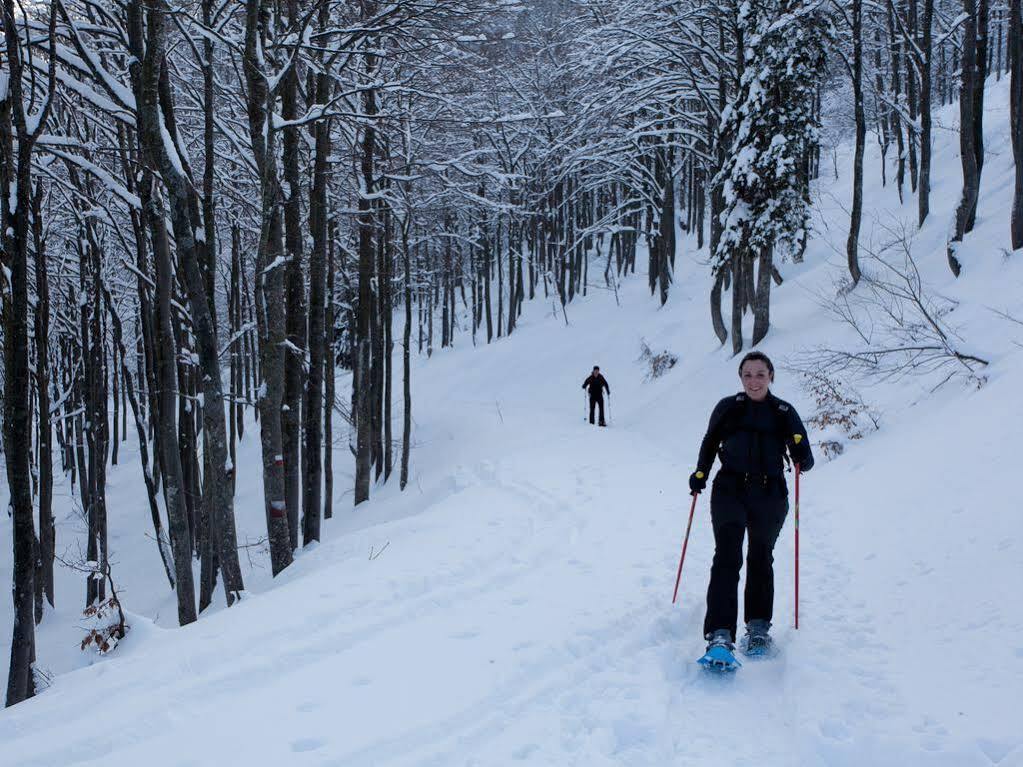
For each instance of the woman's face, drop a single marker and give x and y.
(756, 379)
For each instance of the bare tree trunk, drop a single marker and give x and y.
(173, 479)
(884, 130)
(269, 287)
(406, 434)
(236, 416)
(924, 195)
(896, 119)
(313, 408)
(250, 358)
(715, 307)
(96, 433)
(666, 233)
(208, 530)
(909, 46)
(296, 318)
(1015, 36)
(192, 254)
(145, 75)
(364, 398)
(116, 400)
(762, 298)
(47, 535)
(852, 243)
(738, 297)
(445, 321)
(15, 207)
(980, 80)
(328, 365)
(387, 345)
(967, 136)
(498, 249)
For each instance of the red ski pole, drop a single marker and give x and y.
(797, 546)
(685, 543)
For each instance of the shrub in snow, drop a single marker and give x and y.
(105, 625)
(658, 364)
(840, 413)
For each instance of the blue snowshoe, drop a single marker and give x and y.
(719, 656)
(757, 643)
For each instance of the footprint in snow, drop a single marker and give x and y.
(526, 751)
(307, 744)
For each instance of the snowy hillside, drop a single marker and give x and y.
(513, 606)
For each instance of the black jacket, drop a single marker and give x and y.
(752, 437)
(596, 384)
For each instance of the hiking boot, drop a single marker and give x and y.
(721, 638)
(758, 640)
(719, 655)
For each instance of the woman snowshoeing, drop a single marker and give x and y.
(751, 431)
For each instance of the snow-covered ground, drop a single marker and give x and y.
(514, 604)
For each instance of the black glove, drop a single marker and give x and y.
(805, 463)
(800, 452)
(697, 482)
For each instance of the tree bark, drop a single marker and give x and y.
(296, 318)
(666, 233)
(762, 297)
(362, 378)
(852, 243)
(406, 433)
(1015, 36)
(896, 119)
(387, 343)
(967, 208)
(328, 373)
(715, 307)
(313, 407)
(96, 428)
(980, 79)
(924, 194)
(173, 479)
(269, 287)
(15, 206)
(738, 298)
(192, 254)
(47, 534)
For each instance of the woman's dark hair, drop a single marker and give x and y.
(753, 356)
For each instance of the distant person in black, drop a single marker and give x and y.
(596, 383)
(751, 431)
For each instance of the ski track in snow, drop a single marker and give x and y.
(517, 607)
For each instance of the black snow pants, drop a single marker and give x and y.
(597, 402)
(740, 503)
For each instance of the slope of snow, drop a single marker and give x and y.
(513, 606)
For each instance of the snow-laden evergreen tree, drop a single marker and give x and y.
(770, 127)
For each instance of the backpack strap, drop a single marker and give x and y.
(730, 423)
(782, 411)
